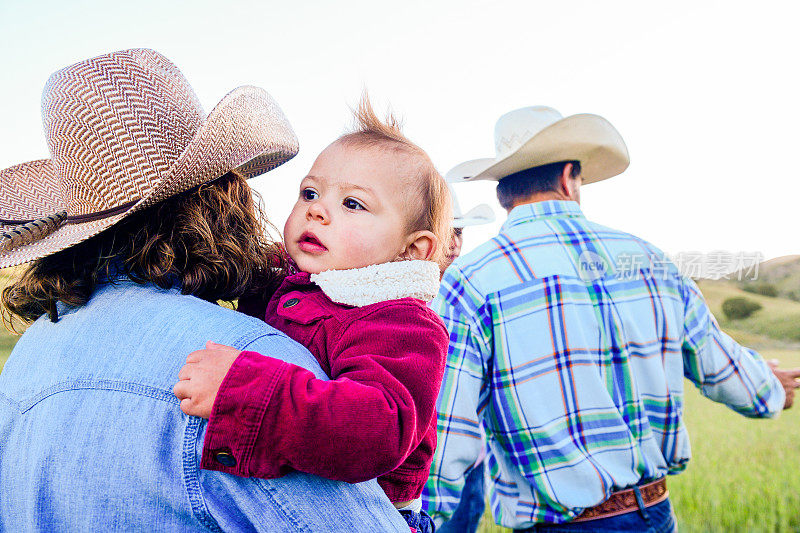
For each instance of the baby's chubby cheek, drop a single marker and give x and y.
(364, 246)
(355, 244)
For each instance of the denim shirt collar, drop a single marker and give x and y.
(542, 210)
(116, 278)
(103, 284)
(115, 274)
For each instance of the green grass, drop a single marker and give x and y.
(742, 475)
(7, 342)
(7, 339)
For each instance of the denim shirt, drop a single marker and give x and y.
(92, 437)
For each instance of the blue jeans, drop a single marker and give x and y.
(470, 509)
(419, 522)
(655, 519)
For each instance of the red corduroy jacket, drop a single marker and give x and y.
(375, 418)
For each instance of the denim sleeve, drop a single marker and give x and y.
(464, 389)
(723, 370)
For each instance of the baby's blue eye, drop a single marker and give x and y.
(309, 194)
(350, 203)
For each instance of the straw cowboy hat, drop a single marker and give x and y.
(125, 131)
(480, 214)
(535, 136)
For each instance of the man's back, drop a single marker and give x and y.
(575, 339)
(94, 438)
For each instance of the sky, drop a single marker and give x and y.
(705, 93)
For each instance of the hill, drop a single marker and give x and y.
(777, 324)
(776, 288)
(779, 276)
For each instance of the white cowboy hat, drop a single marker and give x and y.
(125, 131)
(535, 136)
(480, 214)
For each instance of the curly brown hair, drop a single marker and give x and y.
(211, 241)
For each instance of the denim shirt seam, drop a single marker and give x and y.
(99, 384)
(268, 491)
(15, 404)
(248, 338)
(191, 476)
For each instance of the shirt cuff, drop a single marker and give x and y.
(238, 411)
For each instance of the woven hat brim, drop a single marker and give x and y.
(61, 239)
(246, 132)
(29, 191)
(587, 138)
(480, 214)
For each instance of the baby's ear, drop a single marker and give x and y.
(421, 245)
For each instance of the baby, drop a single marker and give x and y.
(366, 236)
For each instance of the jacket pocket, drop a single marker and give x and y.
(302, 308)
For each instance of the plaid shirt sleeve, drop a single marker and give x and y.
(464, 391)
(724, 371)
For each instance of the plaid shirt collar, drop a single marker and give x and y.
(542, 210)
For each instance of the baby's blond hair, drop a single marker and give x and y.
(435, 212)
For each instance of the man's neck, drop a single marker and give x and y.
(540, 197)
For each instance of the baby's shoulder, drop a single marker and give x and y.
(400, 312)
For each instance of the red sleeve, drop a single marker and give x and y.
(388, 367)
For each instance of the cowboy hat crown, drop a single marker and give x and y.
(115, 124)
(535, 136)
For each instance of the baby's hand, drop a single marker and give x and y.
(201, 377)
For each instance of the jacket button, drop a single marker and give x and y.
(225, 458)
(291, 302)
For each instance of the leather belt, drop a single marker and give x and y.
(624, 501)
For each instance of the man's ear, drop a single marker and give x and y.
(567, 185)
(420, 245)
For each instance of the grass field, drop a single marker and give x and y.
(743, 474)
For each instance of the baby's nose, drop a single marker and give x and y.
(317, 211)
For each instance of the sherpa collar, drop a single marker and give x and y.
(378, 283)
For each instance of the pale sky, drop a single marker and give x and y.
(705, 93)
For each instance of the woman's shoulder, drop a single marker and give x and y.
(148, 304)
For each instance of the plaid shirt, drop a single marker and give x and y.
(569, 342)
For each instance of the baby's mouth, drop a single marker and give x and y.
(308, 242)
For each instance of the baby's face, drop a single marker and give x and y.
(351, 211)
